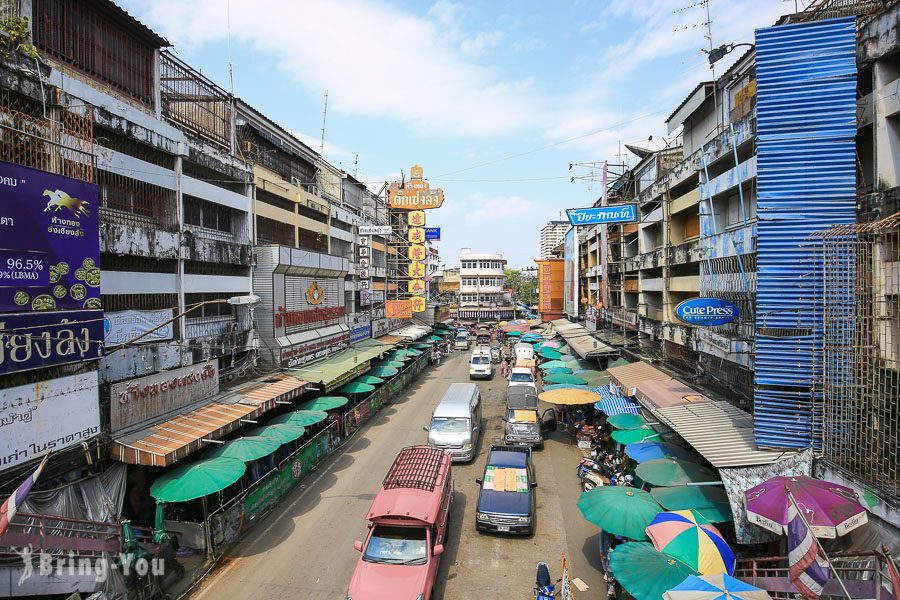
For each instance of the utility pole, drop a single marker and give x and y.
(324, 115)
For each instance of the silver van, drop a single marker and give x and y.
(456, 421)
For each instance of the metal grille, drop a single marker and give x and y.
(9, 9)
(31, 138)
(732, 278)
(131, 202)
(415, 467)
(193, 101)
(79, 34)
(857, 366)
(117, 302)
(270, 231)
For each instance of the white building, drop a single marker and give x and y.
(481, 295)
(552, 235)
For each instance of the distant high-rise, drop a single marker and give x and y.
(552, 235)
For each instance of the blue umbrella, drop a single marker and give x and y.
(715, 587)
(644, 451)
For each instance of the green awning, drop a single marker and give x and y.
(343, 366)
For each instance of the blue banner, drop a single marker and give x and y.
(360, 332)
(707, 312)
(432, 233)
(49, 241)
(620, 213)
(46, 339)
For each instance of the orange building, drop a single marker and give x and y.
(550, 288)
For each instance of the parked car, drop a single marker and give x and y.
(480, 366)
(407, 528)
(522, 376)
(506, 499)
(461, 341)
(483, 337)
(523, 351)
(525, 426)
(456, 421)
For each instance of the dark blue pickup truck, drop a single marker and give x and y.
(506, 500)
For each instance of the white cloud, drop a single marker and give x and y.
(481, 42)
(482, 209)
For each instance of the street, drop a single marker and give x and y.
(304, 548)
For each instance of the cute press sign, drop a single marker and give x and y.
(415, 194)
(707, 312)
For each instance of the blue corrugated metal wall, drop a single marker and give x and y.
(806, 125)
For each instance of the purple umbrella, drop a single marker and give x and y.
(830, 509)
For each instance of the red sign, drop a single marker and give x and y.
(284, 318)
(398, 309)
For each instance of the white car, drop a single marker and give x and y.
(480, 366)
(521, 376)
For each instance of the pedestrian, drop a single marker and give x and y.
(436, 355)
(504, 367)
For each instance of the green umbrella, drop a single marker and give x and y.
(324, 403)
(300, 418)
(553, 364)
(595, 380)
(645, 572)
(564, 350)
(422, 346)
(384, 371)
(397, 357)
(198, 479)
(558, 371)
(434, 338)
(356, 388)
(159, 524)
(413, 352)
(630, 436)
(619, 362)
(282, 434)
(248, 448)
(668, 471)
(390, 364)
(585, 373)
(368, 379)
(708, 500)
(562, 378)
(620, 510)
(627, 421)
(514, 334)
(551, 354)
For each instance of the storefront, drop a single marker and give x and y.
(302, 317)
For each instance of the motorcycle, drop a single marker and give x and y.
(544, 587)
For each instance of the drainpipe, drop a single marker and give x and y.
(179, 215)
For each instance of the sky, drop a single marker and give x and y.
(494, 98)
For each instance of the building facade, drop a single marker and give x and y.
(481, 293)
(552, 234)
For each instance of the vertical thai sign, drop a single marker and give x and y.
(570, 273)
(363, 274)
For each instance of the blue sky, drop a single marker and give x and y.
(493, 98)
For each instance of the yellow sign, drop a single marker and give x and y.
(417, 303)
(315, 294)
(415, 194)
(417, 252)
(416, 218)
(398, 309)
(416, 235)
(416, 286)
(417, 269)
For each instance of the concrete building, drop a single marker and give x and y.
(552, 235)
(550, 289)
(481, 293)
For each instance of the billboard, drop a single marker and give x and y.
(433, 233)
(50, 248)
(49, 416)
(570, 273)
(620, 213)
(398, 309)
(47, 339)
(375, 230)
(361, 332)
(122, 326)
(415, 194)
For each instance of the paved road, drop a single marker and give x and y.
(304, 548)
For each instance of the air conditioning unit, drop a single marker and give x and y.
(295, 181)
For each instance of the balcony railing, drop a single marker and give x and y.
(57, 535)
(191, 100)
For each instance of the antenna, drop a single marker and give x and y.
(230, 65)
(324, 115)
(356, 167)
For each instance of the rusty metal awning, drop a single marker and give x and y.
(391, 339)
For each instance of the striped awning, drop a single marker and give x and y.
(613, 403)
(280, 388)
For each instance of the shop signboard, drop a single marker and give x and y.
(145, 398)
(365, 296)
(300, 354)
(38, 340)
(381, 230)
(415, 194)
(50, 255)
(417, 304)
(416, 235)
(570, 274)
(416, 286)
(619, 213)
(380, 327)
(49, 416)
(433, 233)
(415, 218)
(417, 252)
(122, 326)
(360, 332)
(707, 312)
(398, 309)
(417, 269)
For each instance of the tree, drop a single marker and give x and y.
(523, 285)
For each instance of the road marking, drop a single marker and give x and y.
(495, 554)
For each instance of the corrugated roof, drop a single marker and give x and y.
(129, 20)
(341, 367)
(581, 340)
(628, 377)
(722, 433)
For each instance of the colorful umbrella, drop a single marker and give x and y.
(562, 378)
(668, 471)
(568, 397)
(423, 346)
(552, 364)
(830, 509)
(715, 587)
(567, 358)
(398, 357)
(324, 403)
(514, 333)
(558, 371)
(195, 480)
(564, 350)
(566, 386)
(369, 379)
(619, 362)
(551, 354)
(687, 536)
(644, 451)
(630, 436)
(282, 434)
(301, 418)
(246, 449)
(588, 372)
(434, 338)
(708, 500)
(645, 572)
(620, 510)
(627, 421)
(391, 364)
(356, 388)
(382, 371)
(551, 344)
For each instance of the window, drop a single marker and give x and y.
(397, 545)
(220, 309)
(274, 200)
(208, 215)
(270, 231)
